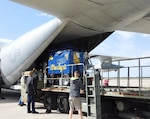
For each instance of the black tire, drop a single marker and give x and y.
(50, 101)
(63, 104)
(47, 101)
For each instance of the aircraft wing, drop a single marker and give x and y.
(105, 62)
(104, 58)
(91, 17)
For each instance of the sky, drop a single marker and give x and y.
(16, 19)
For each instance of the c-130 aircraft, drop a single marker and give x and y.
(84, 23)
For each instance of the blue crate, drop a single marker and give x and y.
(58, 62)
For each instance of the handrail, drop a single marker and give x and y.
(138, 68)
(53, 78)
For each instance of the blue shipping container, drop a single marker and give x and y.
(58, 62)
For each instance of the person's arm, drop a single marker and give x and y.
(82, 91)
(34, 87)
(81, 85)
(28, 83)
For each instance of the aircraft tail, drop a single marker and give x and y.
(20, 54)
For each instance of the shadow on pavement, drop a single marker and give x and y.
(10, 96)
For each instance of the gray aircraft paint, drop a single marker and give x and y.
(20, 54)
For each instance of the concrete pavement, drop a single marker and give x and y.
(9, 109)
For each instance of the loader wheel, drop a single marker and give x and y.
(63, 104)
(50, 101)
(47, 101)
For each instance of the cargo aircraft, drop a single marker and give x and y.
(84, 23)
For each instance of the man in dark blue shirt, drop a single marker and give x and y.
(31, 91)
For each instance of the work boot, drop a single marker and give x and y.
(48, 111)
(35, 112)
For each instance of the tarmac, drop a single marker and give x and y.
(9, 109)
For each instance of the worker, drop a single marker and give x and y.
(31, 91)
(22, 82)
(74, 96)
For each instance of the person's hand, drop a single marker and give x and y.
(82, 91)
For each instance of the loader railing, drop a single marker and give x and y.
(63, 77)
(132, 79)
